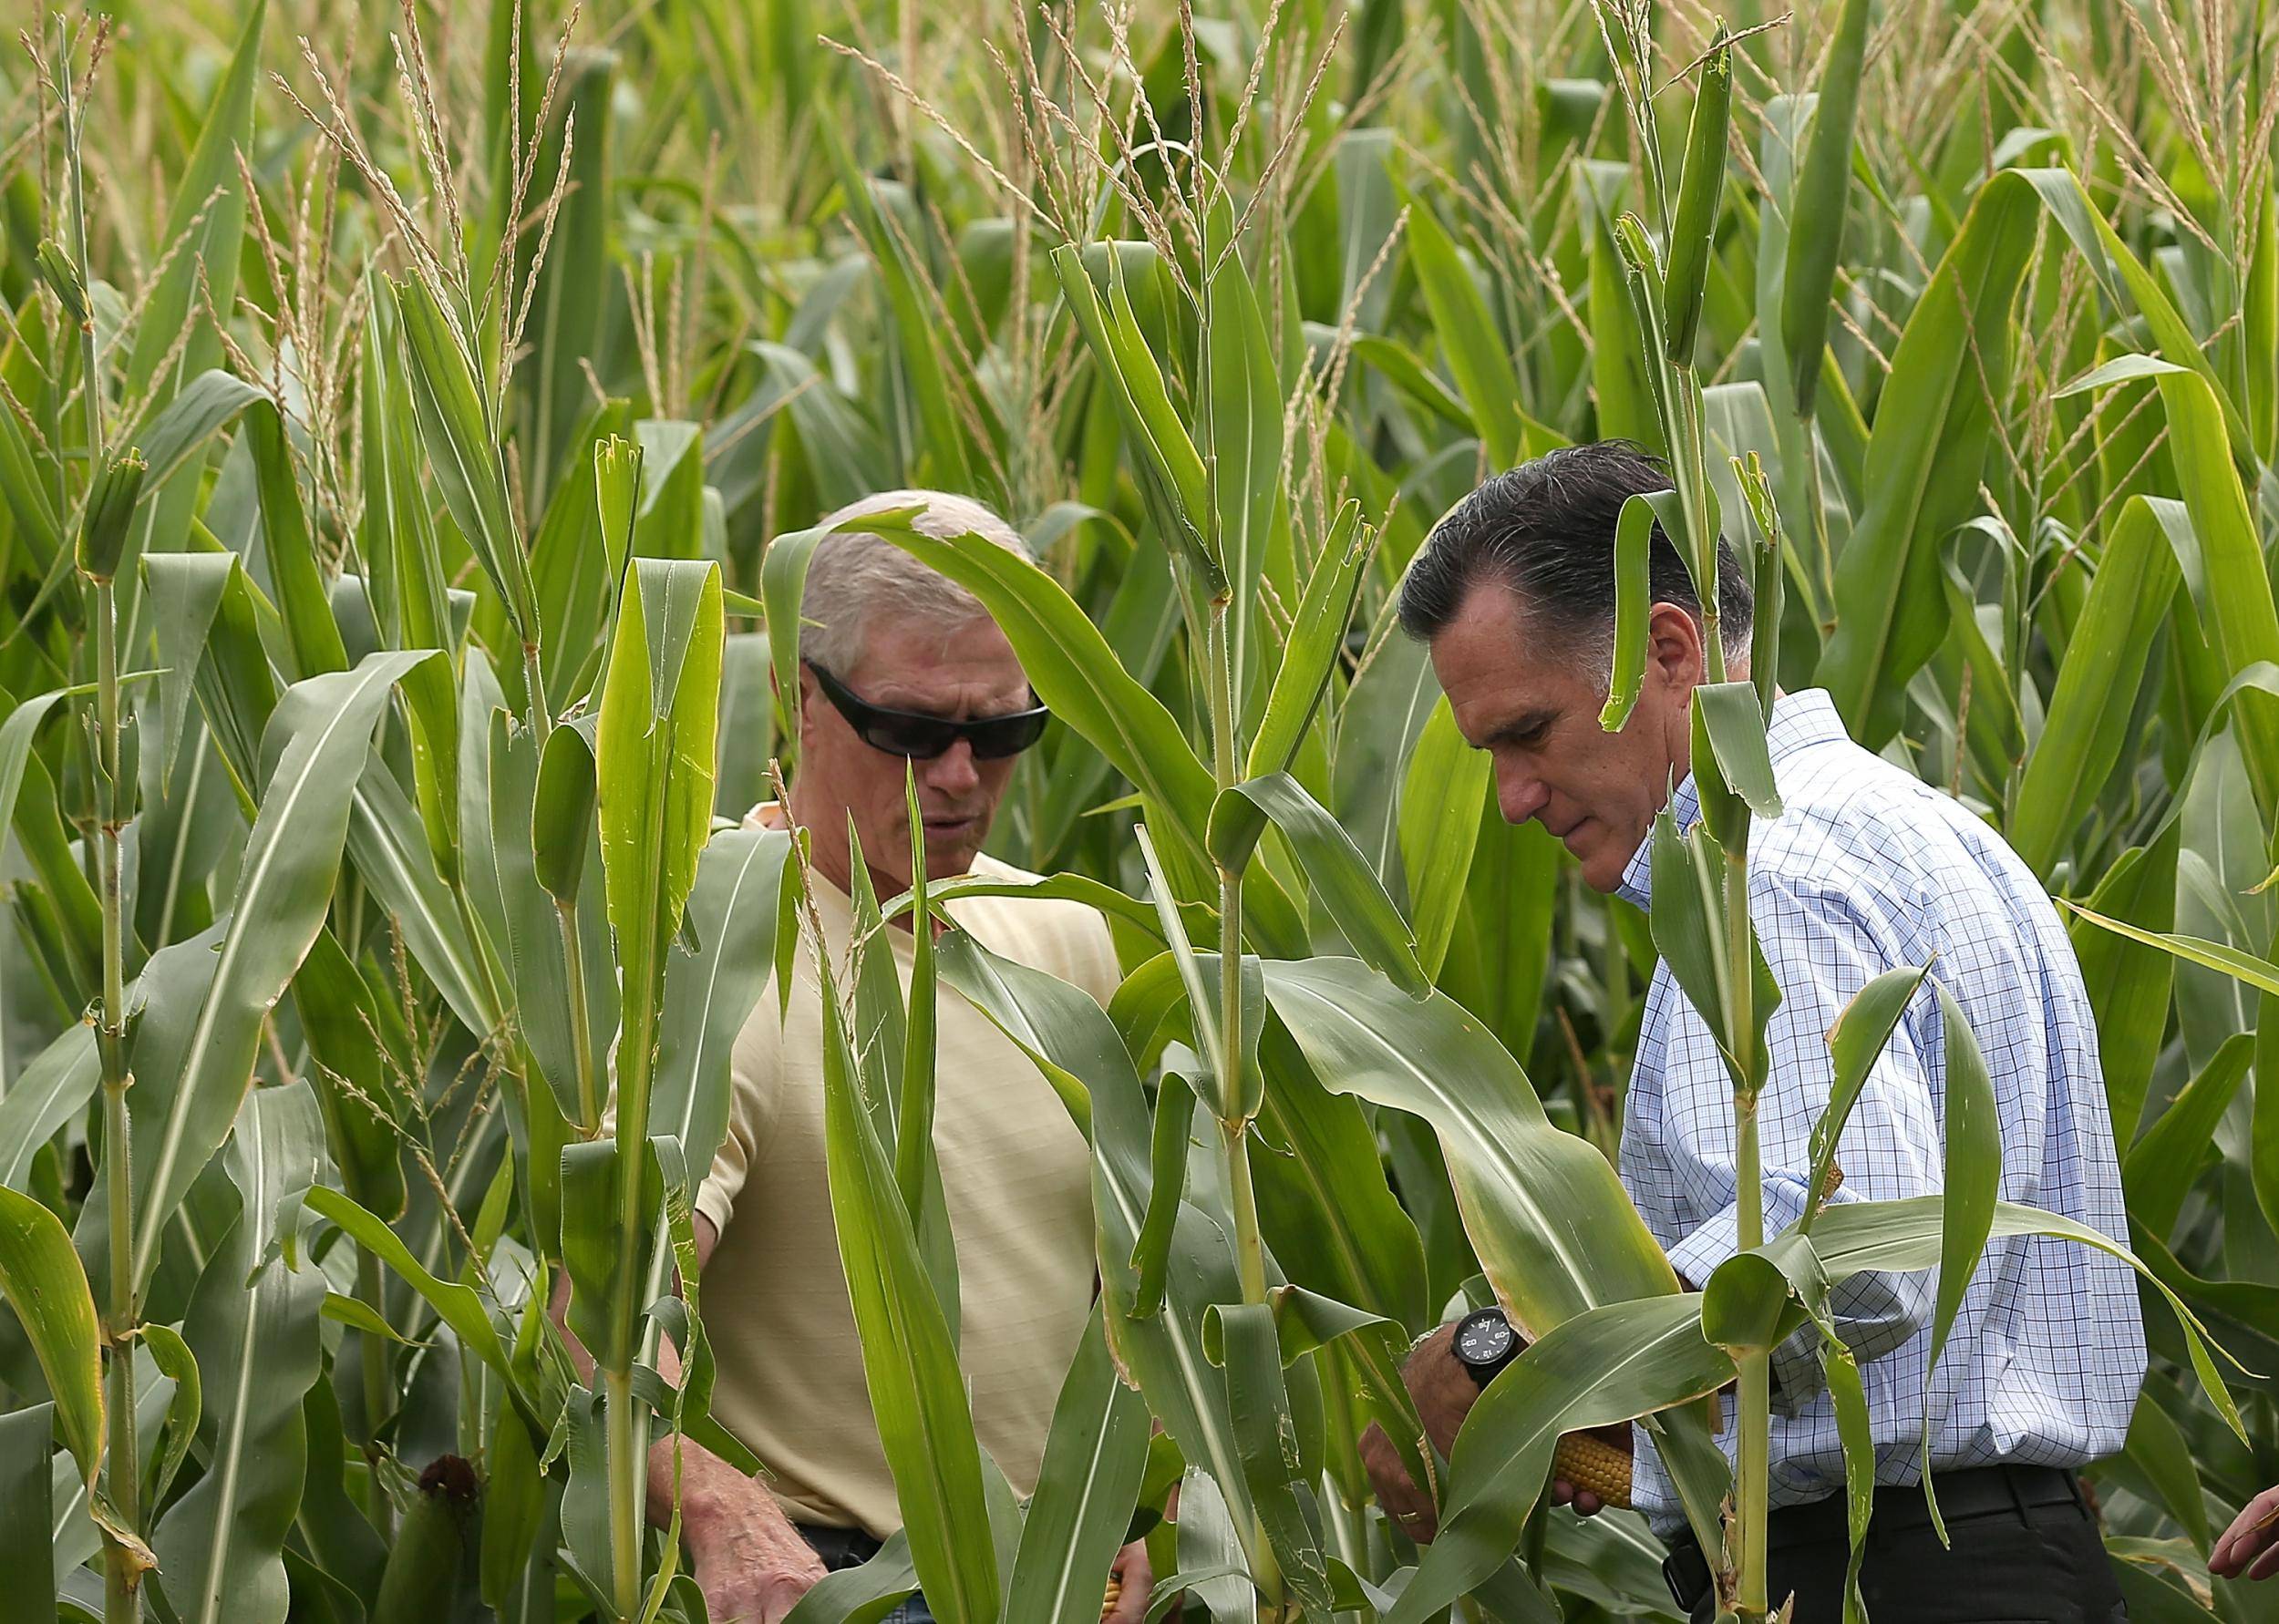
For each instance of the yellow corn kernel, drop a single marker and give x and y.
(1594, 1465)
(1115, 1591)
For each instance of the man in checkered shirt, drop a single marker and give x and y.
(1866, 869)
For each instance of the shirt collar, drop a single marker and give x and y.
(1800, 721)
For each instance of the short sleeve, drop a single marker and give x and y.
(755, 1090)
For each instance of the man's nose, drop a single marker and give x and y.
(953, 772)
(1520, 793)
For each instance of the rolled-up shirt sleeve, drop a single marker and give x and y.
(1820, 955)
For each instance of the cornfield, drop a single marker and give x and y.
(415, 428)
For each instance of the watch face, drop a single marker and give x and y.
(1484, 1338)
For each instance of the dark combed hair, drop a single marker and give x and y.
(1546, 529)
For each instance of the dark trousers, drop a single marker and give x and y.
(842, 1548)
(2024, 1550)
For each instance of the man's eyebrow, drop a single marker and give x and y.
(1520, 727)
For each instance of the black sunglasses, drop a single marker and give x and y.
(921, 737)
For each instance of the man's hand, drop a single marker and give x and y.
(2250, 1546)
(1135, 1577)
(1444, 1393)
(750, 1572)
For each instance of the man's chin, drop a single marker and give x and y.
(950, 859)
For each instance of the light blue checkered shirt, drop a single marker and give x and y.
(1868, 869)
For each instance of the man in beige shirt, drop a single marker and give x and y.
(900, 669)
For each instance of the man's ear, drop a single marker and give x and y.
(1675, 655)
(810, 697)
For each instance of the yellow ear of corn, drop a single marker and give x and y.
(1595, 1467)
(1115, 1591)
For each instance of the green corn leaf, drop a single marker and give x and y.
(455, 429)
(289, 548)
(2126, 281)
(457, 1306)
(2158, 1450)
(109, 510)
(710, 993)
(1317, 633)
(943, 448)
(1922, 477)
(1520, 1181)
(1701, 188)
(16, 745)
(2159, 1170)
(1633, 544)
(1439, 822)
(863, 1595)
(1259, 1400)
(192, 1064)
(387, 845)
(562, 811)
(655, 753)
(1151, 1253)
(915, 1173)
(2260, 973)
(1688, 928)
(1611, 1363)
(1818, 207)
(1120, 906)
(47, 1093)
(2129, 982)
(41, 1279)
(253, 1326)
(608, 1270)
(1077, 1047)
(341, 1020)
(1755, 1299)
(1736, 728)
(1854, 1044)
(783, 590)
(1170, 469)
(187, 588)
(1620, 363)
(1246, 448)
(1405, 373)
(1341, 879)
(27, 490)
(1973, 1170)
(576, 561)
(669, 521)
(174, 338)
(1475, 351)
(27, 1446)
(909, 1360)
(1888, 1237)
(564, 323)
(426, 1565)
(1095, 1454)
(2104, 664)
(513, 1507)
(542, 930)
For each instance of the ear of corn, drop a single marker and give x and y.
(1594, 1466)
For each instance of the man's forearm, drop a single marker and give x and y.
(713, 1497)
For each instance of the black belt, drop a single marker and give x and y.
(839, 1547)
(1984, 1491)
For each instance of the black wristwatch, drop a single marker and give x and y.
(1485, 1342)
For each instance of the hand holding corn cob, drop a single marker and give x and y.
(1590, 1470)
(1590, 1464)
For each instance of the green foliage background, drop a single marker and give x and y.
(422, 339)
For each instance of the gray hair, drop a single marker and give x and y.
(854, 575)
